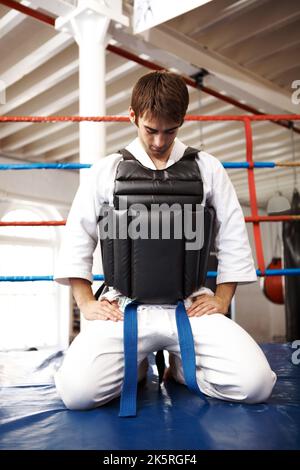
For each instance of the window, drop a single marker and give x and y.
(29, 311)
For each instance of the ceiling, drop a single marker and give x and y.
(250, 49)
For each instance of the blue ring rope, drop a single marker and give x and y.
(44, 166)
(100, 277)
(79, 166)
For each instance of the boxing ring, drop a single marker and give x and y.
(33, 417)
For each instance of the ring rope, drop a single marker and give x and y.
(80, 166)
(100, 277)
(252, 196)
(288, 164)
(50, 223)
(271, 218)
(35, 223)
(189, 117)
(45, 166)
(255, 219)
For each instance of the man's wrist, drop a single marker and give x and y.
(225, 291)
(82, 291)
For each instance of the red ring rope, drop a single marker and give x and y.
(252, 195)
(189, 117)
(248, 219)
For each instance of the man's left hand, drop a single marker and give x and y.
(207, 304)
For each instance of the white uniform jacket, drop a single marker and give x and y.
(235, 262)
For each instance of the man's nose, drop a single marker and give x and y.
(159, 140)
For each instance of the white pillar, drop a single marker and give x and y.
(88, 23)
(91, 39)
(89, 29)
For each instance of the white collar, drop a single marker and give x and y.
(138, 151)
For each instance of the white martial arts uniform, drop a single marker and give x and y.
(230, 365)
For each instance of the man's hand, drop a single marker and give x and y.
(101, 310)
(207, 304)
(218, 303)
(93, 309)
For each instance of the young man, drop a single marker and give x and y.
(229, 364)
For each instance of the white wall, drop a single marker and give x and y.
(48, 193)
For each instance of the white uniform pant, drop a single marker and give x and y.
(229, 364)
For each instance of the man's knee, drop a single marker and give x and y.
(84, 394)
(75, 399)
(257, 387)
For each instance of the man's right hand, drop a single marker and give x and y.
(93, 309)
(101, 310)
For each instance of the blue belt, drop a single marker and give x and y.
(186, 342)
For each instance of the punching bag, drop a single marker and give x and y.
(291, 245)
(273, 285)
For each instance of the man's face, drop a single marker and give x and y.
(157, 135)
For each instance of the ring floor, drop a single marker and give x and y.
(33, 417)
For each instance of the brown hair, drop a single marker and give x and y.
(161, 94)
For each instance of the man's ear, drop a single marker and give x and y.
(132, 115)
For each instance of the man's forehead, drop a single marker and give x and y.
(158, 123)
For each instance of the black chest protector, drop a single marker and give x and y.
(155, 239)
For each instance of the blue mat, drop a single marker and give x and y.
(33, 417)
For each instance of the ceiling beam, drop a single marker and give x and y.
(38, 56)
(140, 46)
(53, 100)
(264, 45)
(261, 19)
(231, 11)
(38, 149)
(224, 74)
(55, 71)
(12, 19)
(50, 74)
(192, 21)
(280, 62)
(56, 7)
(287, 77)
(51, 108)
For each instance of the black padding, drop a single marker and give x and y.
(196, 261)
(181, 181)
(122, 254)
(157, 269)
(107, 248)
(192, 257)
(155, 274)
(148, 200)
(209, 223)
(165, 186)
